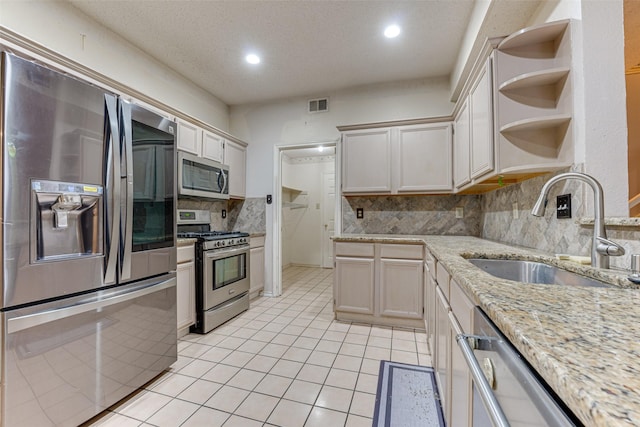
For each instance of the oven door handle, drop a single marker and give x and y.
(224, 253)
(498, 418)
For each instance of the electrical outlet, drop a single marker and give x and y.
(459, 212)
(224, 213)
(359, 213)
(516, 213)
(563, 206)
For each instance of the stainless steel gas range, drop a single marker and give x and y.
(222, 270)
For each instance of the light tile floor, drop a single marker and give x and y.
(285, 362)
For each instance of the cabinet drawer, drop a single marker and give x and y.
(256, 242)
(354, 249)
(401, 251)
(430, 263)
(443, 277)
(185, 254)
(461, 307)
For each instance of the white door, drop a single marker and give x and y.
(328, 217)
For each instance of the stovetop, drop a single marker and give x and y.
(211, 235)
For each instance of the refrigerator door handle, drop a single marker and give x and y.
(127, 182)
(21, 323)
(112, 193)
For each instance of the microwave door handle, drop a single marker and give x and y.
(224, 181)
(112, 184)
(498, 418)
(127, 180)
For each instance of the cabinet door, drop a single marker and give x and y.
(401, 288)
(212, 146)
(185, 294)
(354, 285)
(366, 161)
(442, 358)
(189, 137)
(424, 161)
(256, 270)
(430, 308)
(461, 147)
(482, 142)
(461, 321)
(235, 155)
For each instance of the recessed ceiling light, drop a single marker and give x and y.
(392, 31)
(321, 148)
(252, 58)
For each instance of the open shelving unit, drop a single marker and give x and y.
(533, 100)
(294, 198)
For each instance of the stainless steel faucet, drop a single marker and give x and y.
(602, 248)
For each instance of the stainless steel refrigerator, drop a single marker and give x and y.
(88, 246)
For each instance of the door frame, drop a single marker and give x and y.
(278, 151)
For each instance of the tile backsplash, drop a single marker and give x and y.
(548, 233)
(491, 216)
(248, 215)
(412, 215)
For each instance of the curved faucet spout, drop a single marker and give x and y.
(601, 248)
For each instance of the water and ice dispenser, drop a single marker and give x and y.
(66, 220)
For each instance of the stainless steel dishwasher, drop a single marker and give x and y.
(506, 390)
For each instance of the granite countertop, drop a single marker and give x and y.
(585, 342)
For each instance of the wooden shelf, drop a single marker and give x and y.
(534, 35)
(536, 123)
(537, 78)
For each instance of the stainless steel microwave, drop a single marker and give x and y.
(202, 178)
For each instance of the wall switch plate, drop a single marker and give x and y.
(224, 213)
(359, 213)
(563, 206)
(516, 213)
(459, 212)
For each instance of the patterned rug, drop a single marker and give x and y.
(407, 396)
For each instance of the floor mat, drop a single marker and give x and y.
(407, 396)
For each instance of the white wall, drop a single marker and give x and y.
(287, 122)
(60, 27)
(600, 123)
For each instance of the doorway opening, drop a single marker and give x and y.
(307, 210)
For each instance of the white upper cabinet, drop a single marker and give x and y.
(481, 110)
(424, 161)
(366, 161)
(462, 147)
(520, 108)
(235, 156)
(189, 137)
(412, 159)
(212, 146)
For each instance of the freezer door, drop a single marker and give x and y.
(67, 361)
(53, 132)
(149, 189)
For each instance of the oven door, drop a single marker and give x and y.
(225, 275)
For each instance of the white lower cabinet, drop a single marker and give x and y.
(379, 283)
(401, 288)
(186, 288)
(256, 266)
(453, 316)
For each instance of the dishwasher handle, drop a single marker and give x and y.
(489, 400)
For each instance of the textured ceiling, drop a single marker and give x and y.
(307, 47)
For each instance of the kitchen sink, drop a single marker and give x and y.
(534, 272)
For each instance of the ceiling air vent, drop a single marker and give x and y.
(319, 105)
